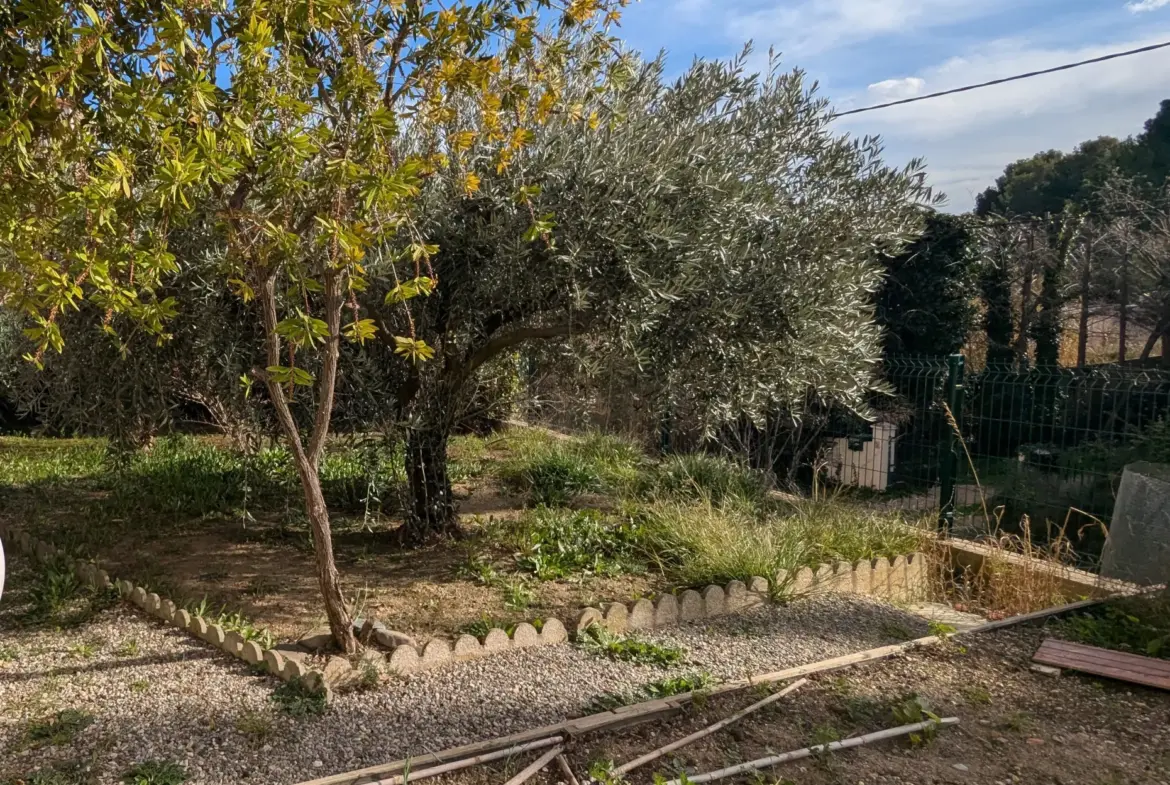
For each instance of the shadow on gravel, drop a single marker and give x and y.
(99, 667)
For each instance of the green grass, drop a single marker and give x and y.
(60, 729)
(554, 471)
(704, 477)
(701, 543)
(1140, 625)
(155, 772)
(599, 641)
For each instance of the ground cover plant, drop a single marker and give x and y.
(219, 530)
(1139, 625)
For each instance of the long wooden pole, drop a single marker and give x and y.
(567, 770)
(869, 738)
(651, 709)
(526, 773)
(487, 757)
(700, 734)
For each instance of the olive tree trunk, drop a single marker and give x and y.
(432, 512)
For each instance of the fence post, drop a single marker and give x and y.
(948, 455)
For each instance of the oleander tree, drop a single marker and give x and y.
(297, 132)
(715, 238)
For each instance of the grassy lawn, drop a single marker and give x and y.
(552, 523)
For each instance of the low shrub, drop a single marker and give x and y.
(705, 477)
(556, 543)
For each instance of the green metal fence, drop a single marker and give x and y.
(1045, 446)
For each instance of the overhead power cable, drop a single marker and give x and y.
(1015, 78)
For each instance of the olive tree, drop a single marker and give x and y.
(715, 233)
(279, 123)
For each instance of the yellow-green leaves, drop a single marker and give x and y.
(410, 289)
(359, 330)
(302, 330)
(412, 349)
(282, 374)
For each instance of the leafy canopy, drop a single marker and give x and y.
(277, 123)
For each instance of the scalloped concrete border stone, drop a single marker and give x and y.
(641, 615)
(525, 636)
(690, 606)
(467, 648)
(553, 632)
(165, 609)
(666, 611)
(714, 602)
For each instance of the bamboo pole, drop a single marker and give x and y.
(464, 763)
(700, 734)
(567, 770)
(869, 738)
(601, 723)
(526, 773)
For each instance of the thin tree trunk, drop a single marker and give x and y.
(1026, 304)
(308, 462)
(1123, 308)
(1086, 281)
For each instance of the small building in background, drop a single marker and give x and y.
(865, 460)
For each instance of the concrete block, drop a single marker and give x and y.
(181, 619)
(524, 636)
(437, 652)
(233, 643)
(251, 653)
(714, 601)
(588, 618)
(735, 595)
(215, 635)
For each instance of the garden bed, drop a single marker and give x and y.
(550, 525)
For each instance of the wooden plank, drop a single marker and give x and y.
(639, 713)
(1120, 665)
(1105, 657)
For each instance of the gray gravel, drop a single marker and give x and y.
(177, 699)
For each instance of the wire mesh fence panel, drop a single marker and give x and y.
(1047, 446)
(917, 413)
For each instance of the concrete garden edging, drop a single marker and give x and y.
(901, 579)
(285, 665)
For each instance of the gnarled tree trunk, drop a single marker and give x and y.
(432, 510)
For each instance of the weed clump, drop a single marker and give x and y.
(155, 772)
(557, 543)
(60, 729)
(298, 699)
(599, 641)
(1134, 624)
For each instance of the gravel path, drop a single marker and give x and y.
(167, 696)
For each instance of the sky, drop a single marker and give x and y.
(864, 52)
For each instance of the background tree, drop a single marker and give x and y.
(714, 234)
(926, 305)
(277, 124)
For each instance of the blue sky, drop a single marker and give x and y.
(868, 51)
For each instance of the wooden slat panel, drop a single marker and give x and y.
(1103, 662)
(1124, 660)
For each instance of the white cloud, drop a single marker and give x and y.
(968, 138)
(810, 27)
(1146, 5)
(898, 88)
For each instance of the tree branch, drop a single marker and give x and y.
(518, 336)
(267, 298)
(327, 381)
